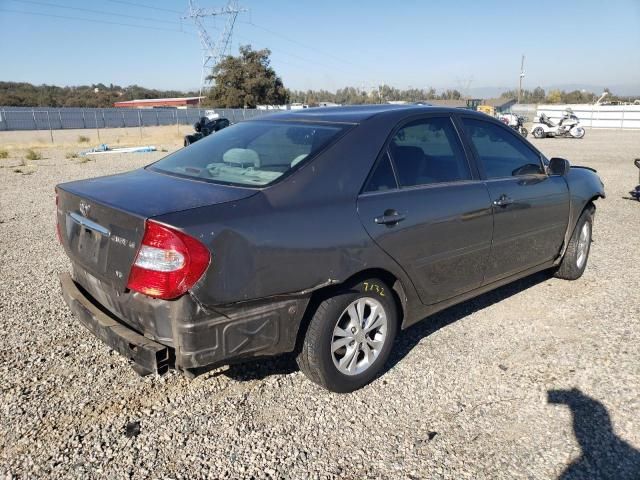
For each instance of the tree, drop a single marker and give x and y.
(554, 96)
(538, 95)
(246, 81)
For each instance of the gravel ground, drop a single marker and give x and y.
(537, 380)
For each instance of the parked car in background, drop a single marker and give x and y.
(321, 231)
(206, 126)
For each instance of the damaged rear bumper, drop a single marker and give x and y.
(183, 334)
(150, 355)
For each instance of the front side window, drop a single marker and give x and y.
(428, 151)
(253, 153)
(501, 153)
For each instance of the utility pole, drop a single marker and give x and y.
(212, 52)
(521, 77)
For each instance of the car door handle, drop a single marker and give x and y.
(390, 217)
(503, 201)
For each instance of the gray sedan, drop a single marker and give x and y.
(321, 232)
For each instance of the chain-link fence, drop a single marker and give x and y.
(42, 118)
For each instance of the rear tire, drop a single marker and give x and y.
(538, 132)
(524, 132)
(575, 257)
(350, 336)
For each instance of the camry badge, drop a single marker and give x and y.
(84, 208)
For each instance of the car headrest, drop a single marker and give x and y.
(244, 157)
(407, 153)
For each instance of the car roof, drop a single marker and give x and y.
(353, 113)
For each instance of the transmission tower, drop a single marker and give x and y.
(212, 52)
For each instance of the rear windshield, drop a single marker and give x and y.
(253, 153)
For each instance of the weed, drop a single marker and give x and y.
(33, 155)
(83, 139)
(4, 154)
(71, 155)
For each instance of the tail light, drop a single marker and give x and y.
(168, 263)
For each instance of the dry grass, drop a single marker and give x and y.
(83, 139)
(32, 155)
(169, 137)
(70, 155)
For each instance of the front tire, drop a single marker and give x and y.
(350, 336)
(577, 132)
(538, 132)
(575, 257)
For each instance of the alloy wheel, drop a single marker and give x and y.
(359, 336)
(583, 245)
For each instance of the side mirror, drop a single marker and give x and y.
(559, 166)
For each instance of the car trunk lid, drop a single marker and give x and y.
(101, 221)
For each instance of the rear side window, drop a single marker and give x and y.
(252, 153)
(382, 177)
(428, 151)
(501, 153)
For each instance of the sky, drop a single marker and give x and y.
(330, 44)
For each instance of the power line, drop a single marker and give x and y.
(100, 12)
(64, 17)
(289, 39)
(142, 5)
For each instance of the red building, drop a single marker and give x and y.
(181, 102)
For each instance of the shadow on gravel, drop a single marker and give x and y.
(604, 454)
(408, 339)
(261, 368)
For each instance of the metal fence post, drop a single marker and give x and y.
(124, 123)
(35, 124)
(3, 114)
(49, 122)
(157, 119)
(84, 120)
(104, 122)
(60, 117)
(140, 123)
(95, 115)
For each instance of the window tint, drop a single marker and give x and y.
(501, 153)
(428, 151)
(382, 177)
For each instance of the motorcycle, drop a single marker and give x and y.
(206, 126)
(516, 122)
(569, 126)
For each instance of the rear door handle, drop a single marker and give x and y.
(390, 217)
(503, 201)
